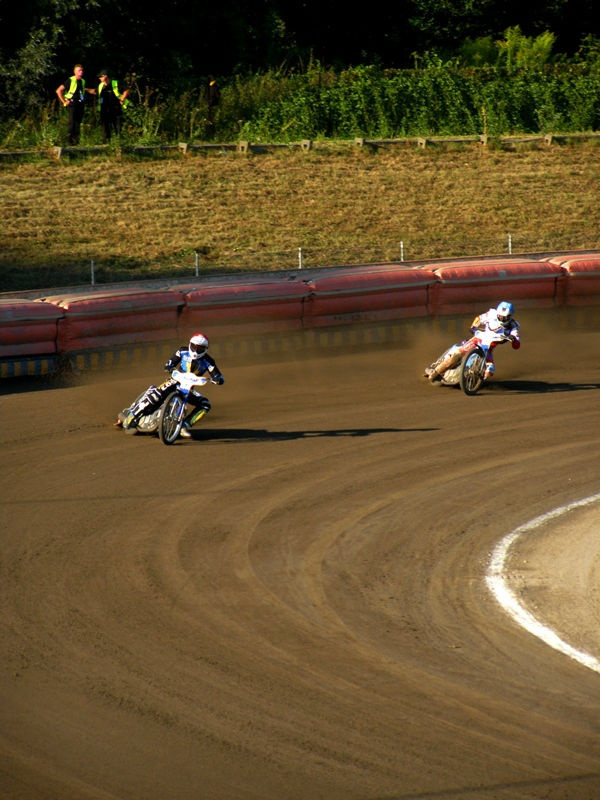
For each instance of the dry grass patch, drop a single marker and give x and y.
(141, 218)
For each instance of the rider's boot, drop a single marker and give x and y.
(129, 420)
(438, 373)
(150, 400)
(186, 432)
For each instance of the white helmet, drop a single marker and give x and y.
(198, 345)
(504, 312)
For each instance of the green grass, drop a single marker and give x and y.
(155, 218)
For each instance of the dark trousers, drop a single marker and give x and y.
(75, 117)
(111, 123)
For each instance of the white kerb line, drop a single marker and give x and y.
(499, 588)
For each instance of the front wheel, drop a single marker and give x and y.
(171, 418)
(472, 370)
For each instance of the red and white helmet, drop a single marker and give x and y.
(198, 345)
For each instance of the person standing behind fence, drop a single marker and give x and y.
(213, 93)
(71, 94)
(213, 97)
(111, 103)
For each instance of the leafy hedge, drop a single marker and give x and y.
(438, 98)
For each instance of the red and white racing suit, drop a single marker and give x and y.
(487, 329)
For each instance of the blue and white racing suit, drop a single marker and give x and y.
(182, 360)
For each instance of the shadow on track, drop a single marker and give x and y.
(539, 387)
(262, 435)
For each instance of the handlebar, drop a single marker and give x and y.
(188, 378)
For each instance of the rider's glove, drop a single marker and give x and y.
(515, 343)
(219, 380)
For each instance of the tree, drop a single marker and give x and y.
(172, 48)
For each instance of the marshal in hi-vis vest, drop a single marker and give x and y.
(117, 93)
(72, 91)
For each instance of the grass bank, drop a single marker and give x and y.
(136, 218)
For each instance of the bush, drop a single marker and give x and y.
(438, 98)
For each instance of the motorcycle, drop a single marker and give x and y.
(166, 420)
(468, 361)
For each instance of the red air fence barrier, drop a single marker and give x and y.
(368, 294)
(27, 328)
(106, 323)
(116, 318)
(581, 286)
(463, 288)
(230, 309)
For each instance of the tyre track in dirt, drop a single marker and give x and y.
(293, 605)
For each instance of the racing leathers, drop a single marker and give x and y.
(485, 327)
(154, 396)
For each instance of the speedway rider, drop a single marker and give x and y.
(498, 325)
(191, 358)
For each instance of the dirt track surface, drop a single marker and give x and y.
(293, 605)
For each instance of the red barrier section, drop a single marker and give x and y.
(228, 309)
(119, 317)
(27, 328)
(102, 322)
(368, 294)
(466, 287)
(582, 283)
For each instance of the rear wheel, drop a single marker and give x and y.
(171, 418)
(472, 370)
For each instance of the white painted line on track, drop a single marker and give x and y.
(499, 588)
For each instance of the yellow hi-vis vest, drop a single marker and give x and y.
(73, 88)
(115, 88)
